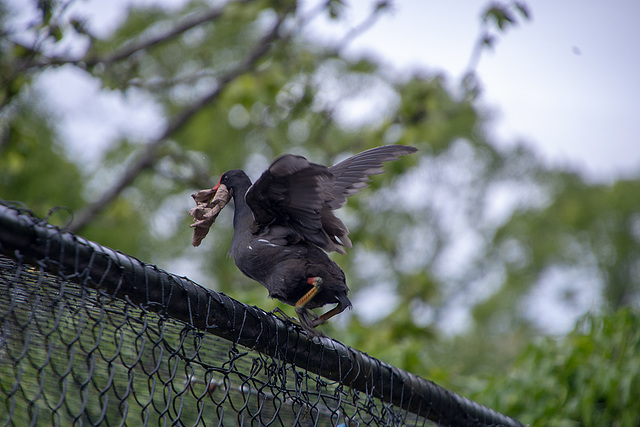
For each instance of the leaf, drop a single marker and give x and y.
(488, 40)
(523, 9)
(335, 8)
(80, 25)
(56, 32)
(500, 15)
(46, 10)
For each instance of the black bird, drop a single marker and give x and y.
(284, 226)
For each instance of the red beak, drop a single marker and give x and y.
(217, 185)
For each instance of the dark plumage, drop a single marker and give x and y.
(284, 225)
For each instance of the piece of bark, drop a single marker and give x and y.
(209, 203)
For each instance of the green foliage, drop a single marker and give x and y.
(430, 113)
(241, 87)
(595, 226)
(591, 377)
(502, 16)
(34, 166)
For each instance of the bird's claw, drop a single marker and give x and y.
(304, 322)
(281, 314)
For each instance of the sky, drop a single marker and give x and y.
(565, 82)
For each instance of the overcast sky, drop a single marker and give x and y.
(566, 82)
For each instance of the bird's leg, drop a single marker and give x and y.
(304, 300)
(307, 317)
(328, 315)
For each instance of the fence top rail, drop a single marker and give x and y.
(117, 275)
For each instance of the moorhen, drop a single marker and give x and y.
(284, 226)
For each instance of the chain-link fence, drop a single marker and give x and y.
(92, 336)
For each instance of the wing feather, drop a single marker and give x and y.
(352, 174)
(299, 196)
(292, 194)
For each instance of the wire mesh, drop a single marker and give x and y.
(92, 336)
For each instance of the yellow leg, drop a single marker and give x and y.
(304, 300)
(306, 316)
(328, 315)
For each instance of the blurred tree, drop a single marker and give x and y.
(593, 226)
(464, 231)
(588, 378)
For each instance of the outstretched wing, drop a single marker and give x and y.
(352, 174)
(292, 194)
(301, 196)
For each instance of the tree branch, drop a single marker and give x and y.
(149, 156)
(181, 28)
(129, 49)
(378, 7)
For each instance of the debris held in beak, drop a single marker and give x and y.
(209, 204)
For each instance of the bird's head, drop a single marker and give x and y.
(233, 181)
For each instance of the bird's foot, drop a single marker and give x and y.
(328, 315)
(284, 316)
(308, 321)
